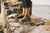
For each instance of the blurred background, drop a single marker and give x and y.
(41, 8)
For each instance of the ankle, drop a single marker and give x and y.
(28, 13)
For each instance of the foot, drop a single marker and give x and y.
(21, 16)
(25, 18)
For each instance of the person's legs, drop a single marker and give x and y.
(23, 13)
(26, 6)
(27, 14)
(28, 11)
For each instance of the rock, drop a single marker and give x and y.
(1, 24)
(27, 28)
(38, 21)
(15, 27)
(5, 30)
(41, 29)
(47, 28)
(47, 23)
(18, 30)
(11, 20)
(33, 17)
(24, 29)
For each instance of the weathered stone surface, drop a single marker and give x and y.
(18, 28)
(26, 28)
(15, 27)
(47, 23)
(41, 29)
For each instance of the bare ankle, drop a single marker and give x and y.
(23, 13)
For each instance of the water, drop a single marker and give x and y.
(42, 11)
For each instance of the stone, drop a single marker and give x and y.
(15, 27)
(27, 28)
(47, 23)
(41, 29)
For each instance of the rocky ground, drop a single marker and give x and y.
(18, 28)
(33, 29)
(41, 29)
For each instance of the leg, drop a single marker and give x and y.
(27, 14)
(23, 13)
(27, 11)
